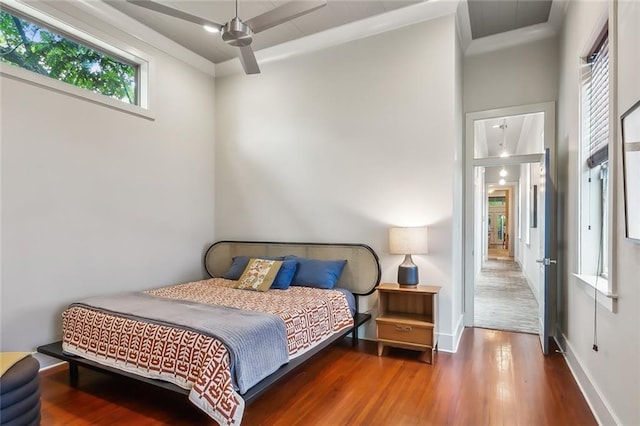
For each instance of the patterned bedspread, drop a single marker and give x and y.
(195, 361)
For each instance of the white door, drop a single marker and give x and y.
(543, 216)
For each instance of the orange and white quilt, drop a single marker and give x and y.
(193, 360)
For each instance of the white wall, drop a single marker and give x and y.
(340, 144)
(95, 200)
(525, 74)
(457, 275)
(529, 249)
(480, 222)
(610, 376)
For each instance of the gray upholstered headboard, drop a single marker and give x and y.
(361, 275)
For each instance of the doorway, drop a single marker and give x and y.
(504, 198)
(504, 286)
(498, 222)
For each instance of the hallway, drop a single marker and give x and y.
(503, 299)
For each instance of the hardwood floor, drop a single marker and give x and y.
(495, 378)
(499, 253)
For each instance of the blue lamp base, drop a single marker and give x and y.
(408, 272)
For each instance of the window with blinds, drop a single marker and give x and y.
(594, 173)
(597, 85)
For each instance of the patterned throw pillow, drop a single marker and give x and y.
(259, 274)
(239, 264)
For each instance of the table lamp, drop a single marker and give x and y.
(408, 241)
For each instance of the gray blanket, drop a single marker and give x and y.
(257, 342)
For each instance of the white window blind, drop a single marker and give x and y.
(598, 93)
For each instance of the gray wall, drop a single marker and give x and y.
(609, 377)
(95, 200)
(525, 74)
(340, 144)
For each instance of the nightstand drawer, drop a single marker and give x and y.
(408, 333)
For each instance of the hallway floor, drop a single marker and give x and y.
(503, 299)
(499, 253)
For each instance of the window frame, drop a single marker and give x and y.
(600, 280)
(48, 21)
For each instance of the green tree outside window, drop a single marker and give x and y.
(34, 48)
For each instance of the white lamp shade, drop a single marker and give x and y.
(408, 240)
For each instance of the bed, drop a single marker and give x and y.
(168, 336)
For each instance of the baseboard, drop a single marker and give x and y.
(47, 362)
(599, 407)
(533, 289)
(449, 342)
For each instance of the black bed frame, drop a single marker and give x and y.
(55, 350)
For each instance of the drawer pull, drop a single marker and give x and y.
(403, 328)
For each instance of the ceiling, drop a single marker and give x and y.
(211, 47)
(511, 135)
(486, 18)
(490, 17)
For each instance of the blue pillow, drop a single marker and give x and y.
(239, 264)
(317, 273)
(285, 275)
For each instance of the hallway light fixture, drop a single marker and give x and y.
(408, 241)
(503, 144)
(502, 182)
(503, 172)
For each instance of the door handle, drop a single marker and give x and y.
(546, 261)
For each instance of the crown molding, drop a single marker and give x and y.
(511, 38)
(463, 24)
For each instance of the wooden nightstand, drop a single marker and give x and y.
(407, 318)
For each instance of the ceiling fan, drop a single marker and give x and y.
(237, 32)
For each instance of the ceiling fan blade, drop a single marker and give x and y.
(248, 60)
(158, 7)
(284, 13)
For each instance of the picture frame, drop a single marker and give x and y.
(630, 126)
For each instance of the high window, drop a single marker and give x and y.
(594, 168)
(36, 47)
